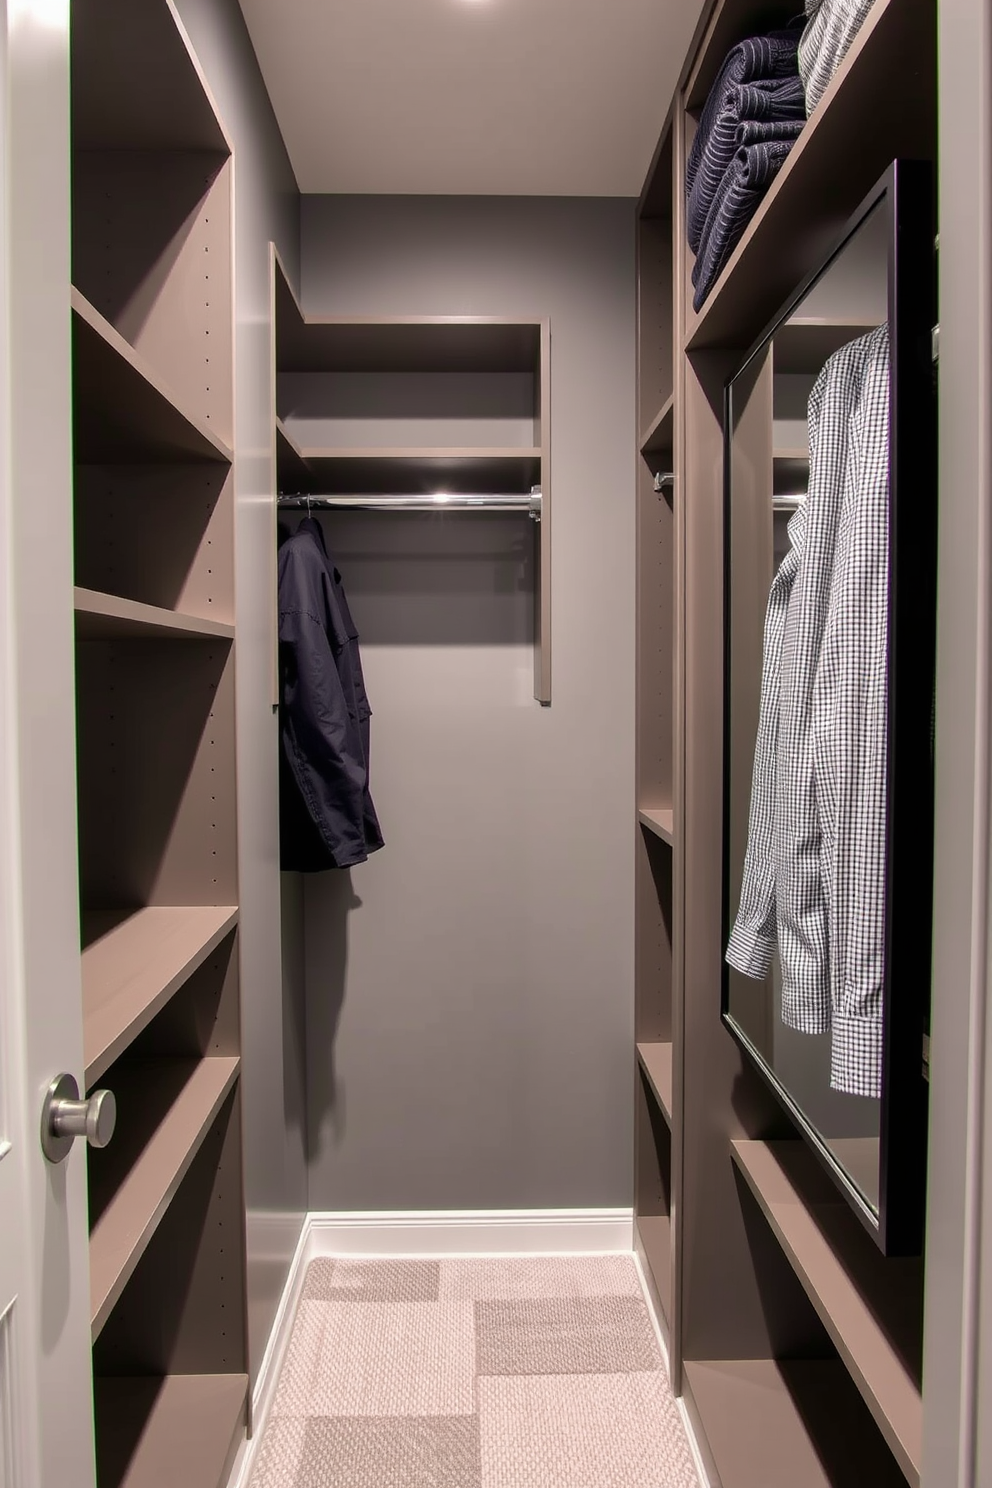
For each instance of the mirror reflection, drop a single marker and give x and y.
(807, 617)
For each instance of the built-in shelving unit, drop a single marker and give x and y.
(655, 828)
(421, 407)
(153, 420)
(794, 1343)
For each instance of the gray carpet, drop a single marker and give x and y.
(506, 1373)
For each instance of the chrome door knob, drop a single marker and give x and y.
(64, 1117)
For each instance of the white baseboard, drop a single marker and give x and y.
(421, 1234)
(474, 1233)
(661, 1333)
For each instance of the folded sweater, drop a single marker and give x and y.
(778, 105)
(831, 26)
(745, 181)
(757, 59)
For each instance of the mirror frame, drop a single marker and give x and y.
(906, 194)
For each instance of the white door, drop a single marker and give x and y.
(46, 1430)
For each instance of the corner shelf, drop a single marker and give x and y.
(133, 964)
(107, 617)
(654, 1233)
(193, 1092)
(811, 1232)
(123, 411)
(866, 116)
(183, 1428)
(660, 432)
(774, 1424)
(660, 820)
(656, 1062)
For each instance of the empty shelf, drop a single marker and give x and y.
(122, 411)
(400, 345)
(774, 1424)
(660, 432)
(804, 343)
(415, 471)
(656, 1061)
(660, 821)
(866, 117)
(868, 1305)
(107, 617)
(654, 1231)
(292, 471)
(191, 1092)
(156, 1433)
(132, 965)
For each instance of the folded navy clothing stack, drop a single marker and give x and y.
(752, 117)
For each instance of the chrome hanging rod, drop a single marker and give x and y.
(440, 501)
(790, 503)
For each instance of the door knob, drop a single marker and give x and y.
(64, 1117)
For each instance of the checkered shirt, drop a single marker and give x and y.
(816, 847)
(831, 26)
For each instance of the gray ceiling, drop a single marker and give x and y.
(517, 97)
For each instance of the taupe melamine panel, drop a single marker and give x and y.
(157, 1433)
(104, 617)
(653, 943)
(655, 348)
(364, 345)
(160, 535)
(655, 641)
(656, 1062)
(725, 1311)
(135, 84)
(416, 472)
(162, 712)
(152, 253)
(183, 1310)
(653, 1189)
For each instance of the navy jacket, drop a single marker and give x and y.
(327, 816)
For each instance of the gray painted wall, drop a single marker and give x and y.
(470, 988)
(266, 208)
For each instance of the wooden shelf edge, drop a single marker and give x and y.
(651, 439)
(438, 452)
(882, 1379)
(112, 1022)
(660, 820)
(656, 1061)
(124, 1230)
(696, 322)
(122, 348)
(188, 1428)
(100, 616)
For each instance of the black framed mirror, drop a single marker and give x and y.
(829, 567)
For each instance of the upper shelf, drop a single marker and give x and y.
(804, 343)
(421, 471)
(870, 1306)
(133, 964)
(107, 617)
(660, 821)
(123, 412)
(135, 82)
(871, 112)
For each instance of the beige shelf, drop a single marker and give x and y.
(408, 471)
(805, 342)
(133, 964)
(654, 1231)
(656, 1061)
(866, 117)
(660, 821)
(157, 1433)
(867, 1307)
(107, 617)
(123, 410)
(778, 1424)
(660, 432)
(146, 1169)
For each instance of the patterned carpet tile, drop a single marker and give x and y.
(531, 1372)
(582, 1431)
(565, 1335)
(517, 1278)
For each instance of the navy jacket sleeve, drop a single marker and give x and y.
(318, 731)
